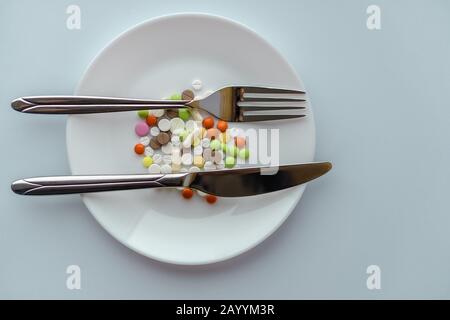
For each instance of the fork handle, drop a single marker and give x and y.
(95, 183)
(89, 104)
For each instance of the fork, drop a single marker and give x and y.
(233, 104)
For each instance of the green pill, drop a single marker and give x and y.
(175, 96)
(231, 150)
(143, 114)
(184, 114)
(183, 135)
(244, 153)
(230, 162)
(215, 144)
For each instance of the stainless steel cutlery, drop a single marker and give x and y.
(239, 182)
(233, 103)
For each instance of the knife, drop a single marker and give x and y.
(239, 182)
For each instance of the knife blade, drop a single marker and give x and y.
(239, 182)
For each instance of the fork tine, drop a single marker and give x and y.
(267, 94)
(277, 104)
(263, 117)
(259, 108)
(271, 90)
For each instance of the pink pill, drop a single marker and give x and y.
(141, 129)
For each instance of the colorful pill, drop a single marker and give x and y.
(208, 122)
(141, 128)
(151, 120)
(199, 161)
(139, 148)
(187, 193)
(147, 161)
(154, 144)
(184, 113)
(212, 133)
(244, 153)
(163, 138)
(175, 96)
(211, 199)
(240, 142)
(215, 145)
(222, 125)
(231, 150)
(230, 162)
(142, 114)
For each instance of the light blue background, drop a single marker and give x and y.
(381, 102)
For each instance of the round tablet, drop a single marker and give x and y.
(194, 169)
(158, 112)
(205, 142)
(208, 166)
(167, 159)
(157, 158)
(218, 156)
(172, 113)
(186, 159)
(166, 168)
(167, 148)
(176, 124)
(197, 85)
(164, 124)
(198, 150)
(154, 168)
(207, 154)
(220, 166)
(144, 140)
(141, 128)
(154, 131)
(175, 140)
(149, 151)
(191, 125)
(163, 138)
(154, 144)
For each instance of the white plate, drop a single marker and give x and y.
(155, 59)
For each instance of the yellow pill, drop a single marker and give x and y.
(176, 167)
(202, 132)
(147, 161)
(196, 141)
(224, 138)
(199, 161)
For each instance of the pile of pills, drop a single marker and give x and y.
(182, 140)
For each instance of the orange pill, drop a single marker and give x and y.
(240, 142)
(151, 120)
(187, 193)
(139, 148)
(208, 122)
(211, 199)
(213, 133)
(222, 125)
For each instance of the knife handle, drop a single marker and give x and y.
(89, 104)
(95, 183)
